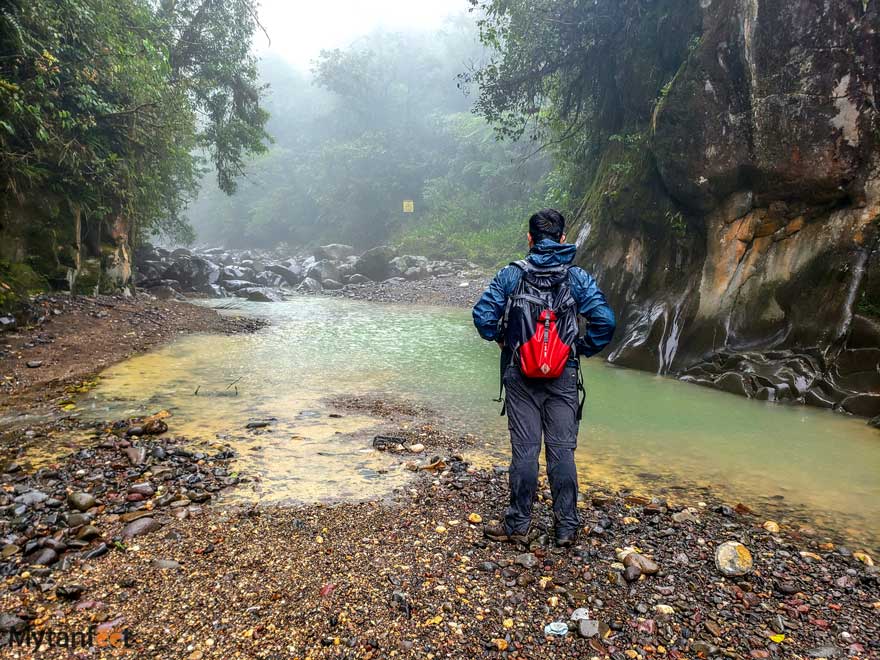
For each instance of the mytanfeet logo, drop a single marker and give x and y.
(60, 638)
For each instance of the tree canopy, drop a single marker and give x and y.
(111, 106)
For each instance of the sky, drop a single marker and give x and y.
(299, 30)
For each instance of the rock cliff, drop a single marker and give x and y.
(738, 235)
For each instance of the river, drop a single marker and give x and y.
(648, 433)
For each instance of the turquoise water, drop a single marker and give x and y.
(640, 431)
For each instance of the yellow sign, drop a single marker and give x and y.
(408, 206)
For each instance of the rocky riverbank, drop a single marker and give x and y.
(127, 546)
(379, 274)
(68, 339)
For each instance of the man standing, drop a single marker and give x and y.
(531, 309)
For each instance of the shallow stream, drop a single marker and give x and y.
(652, 434)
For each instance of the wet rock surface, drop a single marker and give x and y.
(378, 274)
(749, 219)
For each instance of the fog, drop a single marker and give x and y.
(298, 31)
(367, 110)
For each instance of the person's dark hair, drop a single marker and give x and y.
(546, 223)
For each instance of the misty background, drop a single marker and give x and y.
(368, 109)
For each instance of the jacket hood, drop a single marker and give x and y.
(548, 253)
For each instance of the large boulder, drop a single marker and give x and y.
(192, 272)
(310, 285)
(290, 273)
(236, 285)
(260, 294)
(375, 263)
(324, 270)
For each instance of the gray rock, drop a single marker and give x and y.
(165, 564)
(291, 274)
(588, 628)
(310, 285)
(357, 278)
(331, 285)
(527, 560)
(9, 622)
(375, 263)
(324, 270)
(43, 556)
(31, 497)
(261, 294)
(140, 527)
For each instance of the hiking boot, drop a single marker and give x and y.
(566, 539)
(499, 533)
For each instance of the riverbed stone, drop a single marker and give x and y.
(733, 559)
(44, 556)
(81, 501)
(140, 527)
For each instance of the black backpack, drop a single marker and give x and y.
(540, 326)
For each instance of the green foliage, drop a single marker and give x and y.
(582, 78)
(383, 122)
(103, 104)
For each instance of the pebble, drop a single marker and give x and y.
(733, 559)
(527, 560)
(81, 501)
(588, 628)
(139, 527)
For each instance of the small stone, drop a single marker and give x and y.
(863, 557)
(98, 551)
(475, 518)
(165, 564)
(664, 610)
(579, 614)
(81, 501)
(139, 527)
(646, 566)
(556, 629)
(588, 628)
(632, 573)
(685, 517)
(771, 527)
(8, 550)
(43, 556)
(733, 559)
(88, 533)
(527, 560)
(69, 591)
(34, 364)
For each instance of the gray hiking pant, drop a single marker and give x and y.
(537, 406)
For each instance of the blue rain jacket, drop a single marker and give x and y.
(489, 310)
